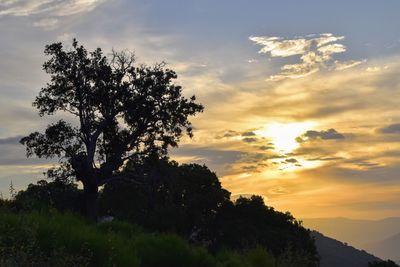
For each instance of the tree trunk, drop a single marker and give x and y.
(90, 196)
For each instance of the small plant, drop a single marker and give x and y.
(12, 191)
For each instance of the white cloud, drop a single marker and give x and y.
(348, 64)
(47, 23)
(376, 68)
(48, 9)
(52, 7)
(65, 37)
(252, 60)
(315, 51)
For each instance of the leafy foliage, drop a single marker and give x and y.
(261, 225)
(42, 239)
(60, 195)
(188, 199)
(168, 197)
(120, 111)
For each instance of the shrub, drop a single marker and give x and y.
(58, 194)
(55, 239)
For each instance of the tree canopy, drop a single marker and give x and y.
(188, 199)
(116, 111)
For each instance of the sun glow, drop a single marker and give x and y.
(283, 135)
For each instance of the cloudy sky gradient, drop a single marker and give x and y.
(302, 100)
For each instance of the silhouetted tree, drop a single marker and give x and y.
(173, 198)
(188, 199)
(248, 223)
(117, 112)
(57, 194)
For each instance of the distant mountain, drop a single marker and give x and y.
(334, 253)
(388, 248)
(358, 233)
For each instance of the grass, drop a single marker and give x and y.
(55, 239)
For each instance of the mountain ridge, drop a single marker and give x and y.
(387, 248)
(334, 253)
(371, 235)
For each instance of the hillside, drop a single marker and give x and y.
(334, 253)
(363, 234)
(355, 232)
(388, 248)
(55, 239)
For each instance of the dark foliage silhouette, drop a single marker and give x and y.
(116, 110)
(248, 222)
(57, 194)
(188, 199)
(387, 263)
(171, 197)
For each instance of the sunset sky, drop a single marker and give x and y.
(302, 98)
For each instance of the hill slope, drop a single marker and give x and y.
(54, 239)
(334, 253)
(358, 233)
(378, 237)
(388, 248)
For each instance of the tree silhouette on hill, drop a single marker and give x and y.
(116, 112)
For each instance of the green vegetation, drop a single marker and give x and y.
(57, 239)
(189, 201)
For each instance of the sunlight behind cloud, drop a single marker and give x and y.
(283, 135)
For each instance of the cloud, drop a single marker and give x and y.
(10, 140)
(13, 154)
(58, 8)
(47, 23)
(270, 147)
(252, 60)
(366, 164)
(347, 64)
(279, 190)
(50, 10)
(376, 68)
(325, 159)
(216, 159)
(291, 160)
(249, 139)
(248, 134)
(391, 129)
(330, 134)
(227, 134)
(250, 168)
(315, 51)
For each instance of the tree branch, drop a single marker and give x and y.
(124, 178)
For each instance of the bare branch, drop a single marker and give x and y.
(125, 178)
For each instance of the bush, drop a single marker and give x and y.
(260, 257)
(55, 239)
(58, 194)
